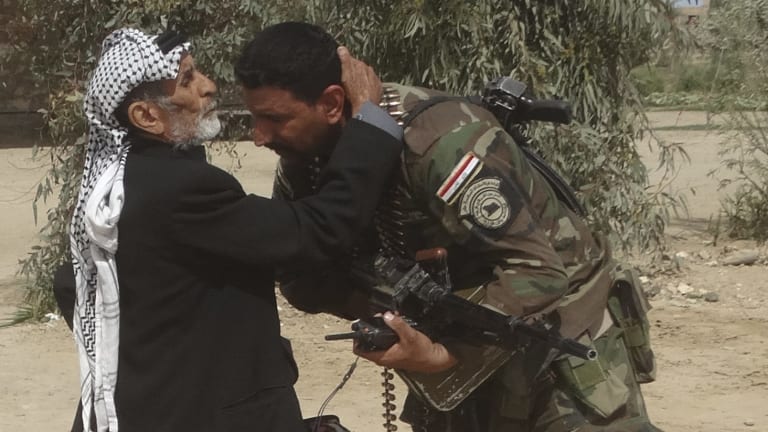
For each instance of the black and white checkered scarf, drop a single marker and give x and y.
(128, 58)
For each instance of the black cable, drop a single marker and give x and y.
(344, 380)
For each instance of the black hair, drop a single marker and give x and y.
(294, 56)
(147, 91)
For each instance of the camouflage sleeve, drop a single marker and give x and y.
(473, 177)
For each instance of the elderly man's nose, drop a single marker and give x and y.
(208, 87)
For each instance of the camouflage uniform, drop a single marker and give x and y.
(466, 186)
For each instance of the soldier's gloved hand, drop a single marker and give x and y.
(413, 352)
(359, 80)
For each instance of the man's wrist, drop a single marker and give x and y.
(444, 360)
(375, 116)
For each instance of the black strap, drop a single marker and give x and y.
(434, 100)
(563, 190)
(170, 40)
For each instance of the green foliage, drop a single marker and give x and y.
(705, 101)
(741, 48)
(746, 213)
(745, 154)
(733, 36)
(648, 80)
(694, 77)
(719, 76)
(580, 51)
(692, 84)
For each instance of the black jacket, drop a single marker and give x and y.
(199, 330)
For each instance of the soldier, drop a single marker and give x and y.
(465, 186)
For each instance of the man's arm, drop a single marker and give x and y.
(328, 288)
(316, 228)
(220, 219)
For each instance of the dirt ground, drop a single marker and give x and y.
(710, 320)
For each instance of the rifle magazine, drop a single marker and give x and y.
(445, 390)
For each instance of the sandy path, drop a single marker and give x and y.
(713, 357)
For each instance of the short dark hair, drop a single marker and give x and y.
(294, 56)
(147, 91)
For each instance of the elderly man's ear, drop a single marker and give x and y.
(148, 117)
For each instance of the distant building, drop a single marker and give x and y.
(689, 11)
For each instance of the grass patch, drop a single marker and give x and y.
(682, 101)
(705, 127)
(691, 127)
(690, 76)
(21, 315)
(696, 84)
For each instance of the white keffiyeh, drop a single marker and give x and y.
(128, 58)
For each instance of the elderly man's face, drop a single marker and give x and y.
(191, 116)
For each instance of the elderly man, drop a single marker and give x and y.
(175, 319)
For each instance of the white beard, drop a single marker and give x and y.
(208, 127)
(185, 136)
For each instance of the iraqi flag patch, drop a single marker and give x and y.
(461, 175)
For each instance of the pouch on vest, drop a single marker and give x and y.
(598, 384)
(517, 380)
(629, 308)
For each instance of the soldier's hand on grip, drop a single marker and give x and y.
(414, 351)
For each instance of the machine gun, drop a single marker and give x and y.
(509, 101)
(425, 299)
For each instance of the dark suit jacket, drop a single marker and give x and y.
(199, 332)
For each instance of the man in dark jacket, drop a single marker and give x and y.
(175, 316)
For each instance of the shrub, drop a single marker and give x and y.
(581, 51)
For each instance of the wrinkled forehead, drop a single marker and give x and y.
(129, 58)
(185, 71)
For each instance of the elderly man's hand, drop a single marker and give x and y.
(413, 352)
(359, 80)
